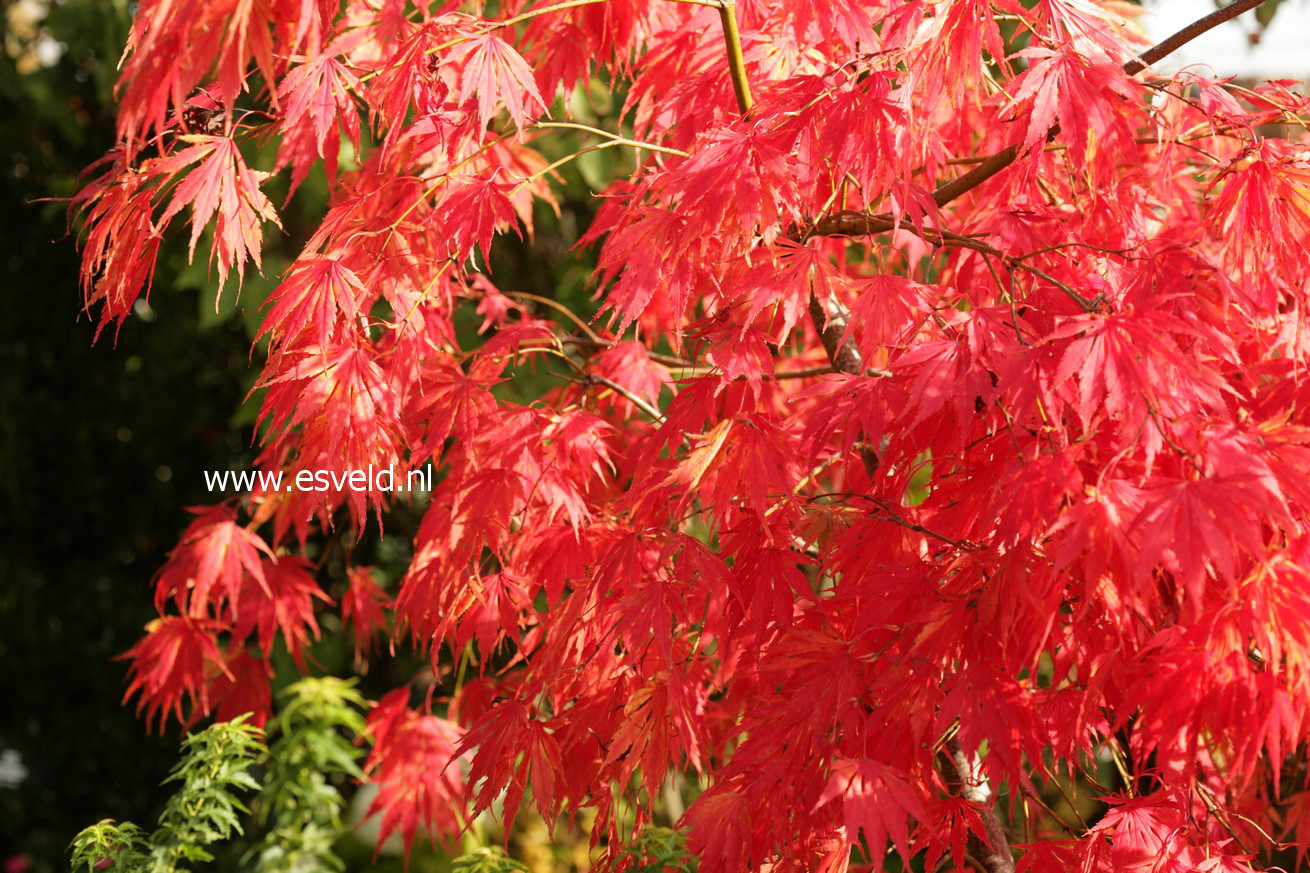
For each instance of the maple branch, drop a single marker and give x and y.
(627, 395)
(807, 372)
(996, 857)
(490, 27)
(736, 61)
(558, 307)
(1059, 786)
(858, 224)
(1187, 34)
(1055, 816)
(617, 139)
(989, 166)
(1212, 807)
(1140, 140)
(1002, 159)
(674, 362)
(555, 165)
(894, 518)
(657, 357)
(1088, 305)
(831, 322)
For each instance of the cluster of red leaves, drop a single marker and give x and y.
(1052, 505)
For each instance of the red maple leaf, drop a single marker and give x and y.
(496, 75)
(220, 184)
(172, 666)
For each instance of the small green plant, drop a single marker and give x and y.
(205, 810)
(111, 845)
(300, 807)
(486, 860)
(659, 849)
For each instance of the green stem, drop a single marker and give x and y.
(736, 62)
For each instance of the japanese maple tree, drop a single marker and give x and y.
(942, 440)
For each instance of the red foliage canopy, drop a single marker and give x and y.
(949, 437)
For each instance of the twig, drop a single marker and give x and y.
(1059, 786)
(1213, 808)
(854, 223)
(559, 307)
(489, 27)
(617, 139)
(657, 357)
(895, 518)
(627, 395)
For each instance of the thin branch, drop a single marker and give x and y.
(1054, 779)
(1213, 808)
(805, 480)
(1046, 808)
(559, 307)
(895, 518)
(673, 362)
(555, 165)
(490, 27)
(658, 357)
(627, 395)
(858, 224)
(805, 373)
(1187, 34)
(618, 139)
(1059, 146)
(1002, 159)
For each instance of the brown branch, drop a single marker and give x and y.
(676, 363)
(1187, 34)
(1140, 140)
(996, 857)
(808, 372)
(979, 174)
(988, 167)
(1002, 159)
(830, 322)
(858, 224)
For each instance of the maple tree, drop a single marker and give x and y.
(941, 437)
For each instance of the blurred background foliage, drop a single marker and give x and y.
(103, 444)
